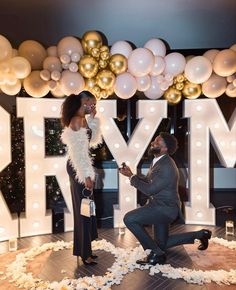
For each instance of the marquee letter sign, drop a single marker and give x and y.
(206, 120)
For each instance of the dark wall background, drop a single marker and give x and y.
(183, 24)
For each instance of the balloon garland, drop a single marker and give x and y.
(74, 65)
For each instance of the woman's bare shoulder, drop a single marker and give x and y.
(76, 123)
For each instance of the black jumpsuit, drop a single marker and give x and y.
(85, 228)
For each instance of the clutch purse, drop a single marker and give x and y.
(87, 207)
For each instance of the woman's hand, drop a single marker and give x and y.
(93, 112)
(89, 183)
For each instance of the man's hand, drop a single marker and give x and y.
(126, 171)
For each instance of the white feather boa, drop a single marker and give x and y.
(78, 148)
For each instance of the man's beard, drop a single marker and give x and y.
(154, 150)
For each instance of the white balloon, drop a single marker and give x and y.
(68, 45)
(140, 62)
(73, 67)
(154, 92)
(125, 85)
(121, 47)
(198, 69)
(158, 67)
(143, 83)
(175, 63)
(75, 57)
(45, 75)
(71, 82)
(156, 46)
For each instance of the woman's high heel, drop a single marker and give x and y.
(89, 262)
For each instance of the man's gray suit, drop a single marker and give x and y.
(162, 208)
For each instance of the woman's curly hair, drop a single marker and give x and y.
(71, 105)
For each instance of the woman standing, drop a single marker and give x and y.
(79, 135)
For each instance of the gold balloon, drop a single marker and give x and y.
(180, 78)
(88, 66)
(118, 63)
(103, 94)
(90, 40)
(191, 91)
(90, 83)
(173, 96)
(105, 79)
(104, 55)
(103, 63)
(104, 48)
(95, 52)
(179, 86)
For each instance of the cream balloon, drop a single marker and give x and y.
(71, 82)
(65, 59)
(45, 75)
(5, 67)
(158, 67)
(35, 86)
(52, 51)
(233, 47)
(156, 46)
(11, 90)
(231, 91)
(154, 92)
(125, 85)
(34, 52)
(211, 54)
(52, 63)
(214, 87)
(20, 66)
(198, 69)
(14, 52)
(121, 47)
(175, 63)
(140, 62)
(57, 92)
(143, 83)
(5, 48)
(55, 75)
(225, 63)
(52, 85)
(10, 79)
(69, 45)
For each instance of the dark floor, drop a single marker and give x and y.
(138, 280)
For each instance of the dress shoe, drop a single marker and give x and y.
(206, 235)
(152, 259)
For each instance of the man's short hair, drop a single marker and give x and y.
(170, 141)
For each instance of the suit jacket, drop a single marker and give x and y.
(161, 184)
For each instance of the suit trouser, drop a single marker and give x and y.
(161, 217)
